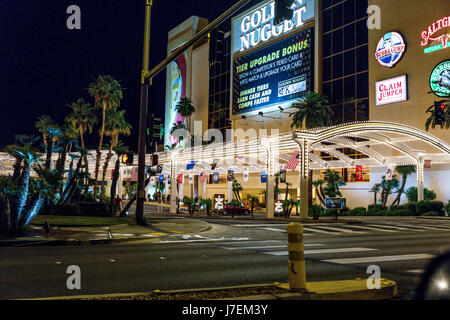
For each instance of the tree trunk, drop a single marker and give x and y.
(114, 182)
(400, 192)
(21, 198)
(374, 198)
(105, 168)
(132, 200)
(99, 150)
(86, 163)
(33, 211)
(48, 158)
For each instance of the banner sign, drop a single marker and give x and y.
(152, 180)
(283, 175)
(256, 26)
(391, 90)
(390, 173)
(427, 164)
(216, 177)
(161, 178)
(359, 173)
(180, 178)
(263, 177)
(191, 179)
(230, 177)
(202, 177)
(440, 79)
(277, 73)
(390, 49)
(245, 176)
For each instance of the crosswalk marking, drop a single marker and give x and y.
(389, 227)
(423, 227)
(380, 259)
(318, 231)
(340, 230)
(270, 247)
(320, 251)
(415, 271)
(273, 229)
(371, 228)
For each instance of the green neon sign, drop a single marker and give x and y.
(440, 79)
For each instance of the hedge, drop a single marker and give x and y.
(81, 209)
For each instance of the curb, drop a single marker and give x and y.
(388, 291)
(434, 218)
(74, 242)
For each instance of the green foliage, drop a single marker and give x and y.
(234, 204)
(431, 214)
(427, 206)
(81, 209)
(312, 110)
(207, 203)
(316, 211)
(360, 211)
(333, 181)
(411, 194)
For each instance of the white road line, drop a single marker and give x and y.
(259, 225)
(269, 247)
(273, 229)
(389, 227)
(380, 259)
(421, 227)
(415, 271)
(318, 231)
(253, 241)
(372, 228)
(339, 230)
(320, 251)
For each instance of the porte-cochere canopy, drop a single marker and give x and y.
(380, 144)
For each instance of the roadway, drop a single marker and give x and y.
(232, 252)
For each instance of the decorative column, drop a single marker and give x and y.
(173, 186)
(270, 183)
(304, 177)
(420, 169)
(120, 182)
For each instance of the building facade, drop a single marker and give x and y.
(391, 69)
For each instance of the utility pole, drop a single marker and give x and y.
(143, 117)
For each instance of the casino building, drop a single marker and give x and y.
(375, 60)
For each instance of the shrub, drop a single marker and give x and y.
(411, 194)
(375, 207)
(427, 206)
(399, 213)
(81, 209)
(447, 208)
(316, 211)
(360, 211)
(431, 214)
(64, 210)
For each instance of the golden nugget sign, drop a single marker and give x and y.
(256, 26)
(430, 35)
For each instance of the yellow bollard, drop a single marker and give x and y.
(297, 268)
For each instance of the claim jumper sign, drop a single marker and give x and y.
(274, 74)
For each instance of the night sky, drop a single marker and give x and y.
(45, 66)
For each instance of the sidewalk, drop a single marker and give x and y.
(113, 234)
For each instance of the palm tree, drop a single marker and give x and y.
(334, 181)
(42, 125)
(288, 184)
(318, 185)
(237, 188)
(119, 149)
(404, 171)
(53, 134)
(83, 119)
(29, 156)
(114, 126)
(313, 111)
(254, 201)
(107, 93)
(387, 188)
(185, 109)
(376, 189)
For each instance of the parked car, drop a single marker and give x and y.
(237, 210)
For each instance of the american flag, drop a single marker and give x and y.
(293, 162)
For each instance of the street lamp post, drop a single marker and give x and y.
(143, 117)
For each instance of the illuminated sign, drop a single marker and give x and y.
(390, 49)
(277, 73)
(256, 26)
(391, 90)
(438, 42)
(440, 79)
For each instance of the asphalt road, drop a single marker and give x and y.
(230, 253)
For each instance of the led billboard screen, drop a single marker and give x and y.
(275, 74)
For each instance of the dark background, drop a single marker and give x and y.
(45, 66)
